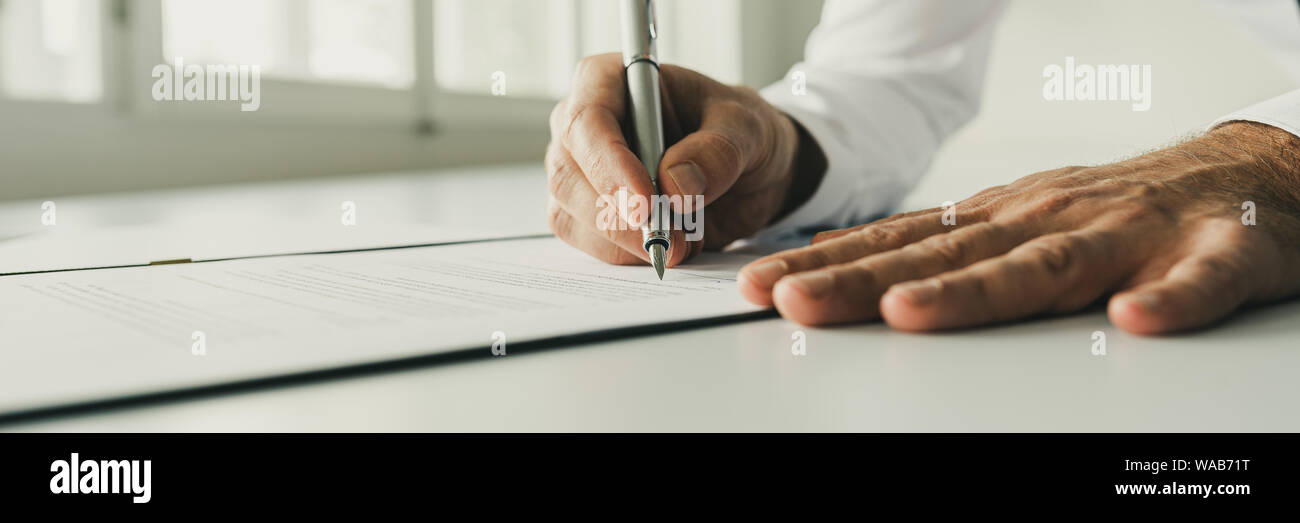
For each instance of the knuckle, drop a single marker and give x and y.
(1053, 201)
(1136, 212)
(807, 257)
(983, 293)
(573, 114)
(557, 220)
(736, 115)
(978, 212)
(611, 232)
(1220, 276)
(559, 177)
(996, 190)
(1112, 183)
(1230, 232)
(746, 92)
(555, 158)
(1055, 256)
(602, 172)
(951, 249)
(1144, 191)
(884, 235)
(737, 112)
(723, 145)
(1221, 267)
(863, 276)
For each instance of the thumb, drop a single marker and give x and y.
(708, 161)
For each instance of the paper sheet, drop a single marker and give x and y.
(84, 336)
(98, 247)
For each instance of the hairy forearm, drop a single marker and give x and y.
(1274, 155)
(1226, 167)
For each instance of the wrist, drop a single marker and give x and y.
(807, 168)
(1265, 158)
(1231, 164)
(1271, 149)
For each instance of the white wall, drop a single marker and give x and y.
(1204, 66)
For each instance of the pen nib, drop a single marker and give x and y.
(659, 257)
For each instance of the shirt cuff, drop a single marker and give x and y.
(1282, 112)
(835, 184)
(845, 194)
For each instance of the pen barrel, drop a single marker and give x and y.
(645, 107)
(647, 129)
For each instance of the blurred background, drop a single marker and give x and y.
(365, 86)
(348, 86)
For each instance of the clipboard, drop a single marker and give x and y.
(71, 378)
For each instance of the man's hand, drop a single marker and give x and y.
(1165, 235)
(728, 145)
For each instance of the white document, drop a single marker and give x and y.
(86, 336)
(64, 248)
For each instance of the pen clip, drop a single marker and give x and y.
(650, 20)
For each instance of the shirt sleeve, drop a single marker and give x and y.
(1282, 112)
(882, 84)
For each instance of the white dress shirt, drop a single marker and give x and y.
(884, 82)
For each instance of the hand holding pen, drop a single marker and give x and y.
(724, 143)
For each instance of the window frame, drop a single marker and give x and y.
(453, 109)
(131, 45)
(131, 36)
(284, 101)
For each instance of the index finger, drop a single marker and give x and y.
(589, 128)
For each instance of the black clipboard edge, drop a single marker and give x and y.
(372, 368)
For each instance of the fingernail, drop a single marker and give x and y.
(813, 284)
(769, 271)
(689, 179)
(1146, 301)
(919, 292)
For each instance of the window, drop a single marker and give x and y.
(412, 63)
(474, 39)
(50, 50)
(537, 43)
(363, 41)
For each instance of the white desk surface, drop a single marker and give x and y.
(1035, 376)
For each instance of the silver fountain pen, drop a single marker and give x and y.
(642, 67)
